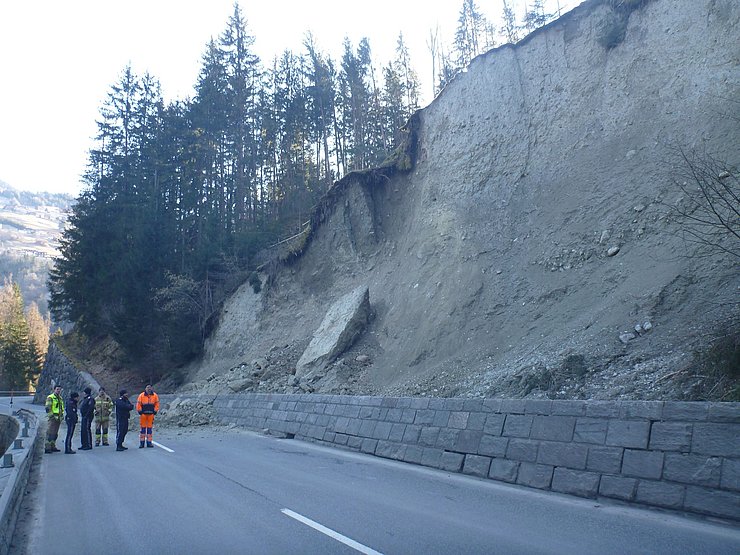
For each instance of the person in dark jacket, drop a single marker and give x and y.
(123, 412)
(70, 417)
(87, 411)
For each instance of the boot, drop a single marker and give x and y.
(119, 448)
(69, 452)
(97, 443)
(141, 445)
(149, 444)
(48, 450)
(55, 450)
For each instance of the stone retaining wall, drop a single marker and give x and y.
(676, 455)
(59, 370)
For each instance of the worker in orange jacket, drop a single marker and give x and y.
(147, 405)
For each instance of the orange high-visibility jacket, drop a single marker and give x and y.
(147, 404)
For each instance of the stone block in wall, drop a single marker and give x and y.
(648, 410)
(382, 430)
(447, 438)
(453, 405)
(685, 411)
(724, 504)
(602, 409)
(671, 436)
(517, 425)
(563, 454)
(660, 494)
(468, 441)
(408, 416)
(394, 415)
(424, 417)
(419, 403)
(413, 454)
(618, 487)
(476, 421)
(605, 459)
(397, 432)
(537, 406)
(730, 474)
(354, 442)
(535, 475)
(441, 418)
(428, 436)
(504, 470)
(412, 434)
(476, 465)
(472, 405)
(642, 464)
(512, 406)
(431, 457)
(693, 469)
(390, 450)
(493, 446)
(568, 408)
(458, 420)
(494, 424)
(590, 430)
(724, 412)
(716, 439)
(628, 433)
(369, 445)
(492, 405)
(583, 484)
(523, 450)
(367, 427)
(451, 462)
(553, 428)
(341, 439)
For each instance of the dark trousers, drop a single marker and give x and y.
(70, 434)
(121, 430)
(86, 432)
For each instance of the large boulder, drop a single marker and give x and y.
(343, 323)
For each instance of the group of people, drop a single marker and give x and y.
(98, 410)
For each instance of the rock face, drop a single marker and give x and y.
(490, 259)
(343, 323)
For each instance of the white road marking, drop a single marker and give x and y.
(163, 447)
(331, 533)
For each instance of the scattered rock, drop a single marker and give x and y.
(647, 326)
(612, 251)
(211, 378)
(723, 175)
(240, 385)
(363, 359)
(627, 337)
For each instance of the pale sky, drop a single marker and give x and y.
(58, 60)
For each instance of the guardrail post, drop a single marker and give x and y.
(24, 433)
(17, 444)
(8, 461)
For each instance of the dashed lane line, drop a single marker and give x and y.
(163, 447)
(331, 533)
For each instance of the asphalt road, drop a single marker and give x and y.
(229, 491)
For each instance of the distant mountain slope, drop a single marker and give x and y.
(30, 227)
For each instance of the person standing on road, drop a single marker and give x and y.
(87, 410)
(103, 409)
(54, 413)
(123, 412)
(147, 405)
(70, 418)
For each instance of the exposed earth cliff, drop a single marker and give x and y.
(525, 243)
